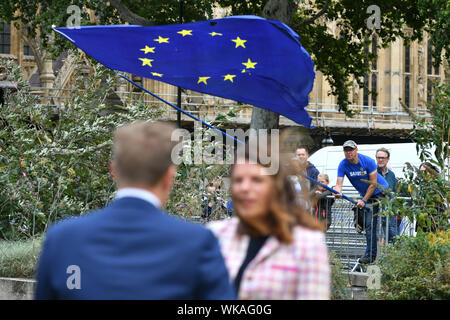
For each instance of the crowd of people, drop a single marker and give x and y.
(272, 247)
(371, 179)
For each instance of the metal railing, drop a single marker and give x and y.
(209, 107)
(343, 238)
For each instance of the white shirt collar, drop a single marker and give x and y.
(140, 194)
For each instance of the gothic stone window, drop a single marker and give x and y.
(407, 76)
(27, 50)
(432, 71)
(370, 80)
(407, 90)
(5, 37)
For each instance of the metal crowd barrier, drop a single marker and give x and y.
(343, 238)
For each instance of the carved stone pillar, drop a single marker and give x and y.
(122, 86)
(355, 91)
(381, 98)
(15, 42)
(396, 75)
(47, 76)
(421, 77)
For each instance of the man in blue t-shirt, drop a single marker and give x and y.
(359, 167)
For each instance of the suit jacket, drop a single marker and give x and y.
(296, 271)
(131, 250)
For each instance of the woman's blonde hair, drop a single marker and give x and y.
(324, 176)
(285, 211)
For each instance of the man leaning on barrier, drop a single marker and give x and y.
(358, 167)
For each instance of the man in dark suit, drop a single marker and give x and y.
(131, 249)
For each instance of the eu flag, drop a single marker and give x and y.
(244, 58)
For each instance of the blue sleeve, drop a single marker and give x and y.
(230, 207)
(341, 170)
(44, 289)
(214, 279)
(371, 166)
(314, 173)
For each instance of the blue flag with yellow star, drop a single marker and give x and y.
(244, 58)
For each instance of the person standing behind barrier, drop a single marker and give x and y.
(356, 167)
(322, 200)
(273, 249)
(382, 156)
(304, 186)
(427, 170)
(309, 169)
(212, 202)
(131, 249)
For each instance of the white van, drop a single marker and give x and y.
(327, 159)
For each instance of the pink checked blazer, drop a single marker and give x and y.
(295, 271)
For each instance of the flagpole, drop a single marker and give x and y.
(329, 189)
(179, 89)
(179, 109)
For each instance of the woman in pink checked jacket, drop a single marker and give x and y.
(273, 249)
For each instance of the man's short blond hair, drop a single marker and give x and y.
(142, 152)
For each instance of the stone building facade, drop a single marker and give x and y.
(401, 72)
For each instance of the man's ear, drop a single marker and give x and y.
(169, 177)
(113, 171)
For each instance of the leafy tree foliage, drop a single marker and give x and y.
(54, 159)
(416, 268)
(429, 190)
(339, 57)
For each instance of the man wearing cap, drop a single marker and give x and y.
(358, 167)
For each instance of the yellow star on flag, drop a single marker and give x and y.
(161, 40)
(202, 79)
(185, 32)
(229, 77)
(147, 49)
(249, 64)
(155, 74)
(239, 42)
(146, 62)
(215, 34)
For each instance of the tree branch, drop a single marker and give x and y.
(127, 15)
(315, 17)
(33, 43)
